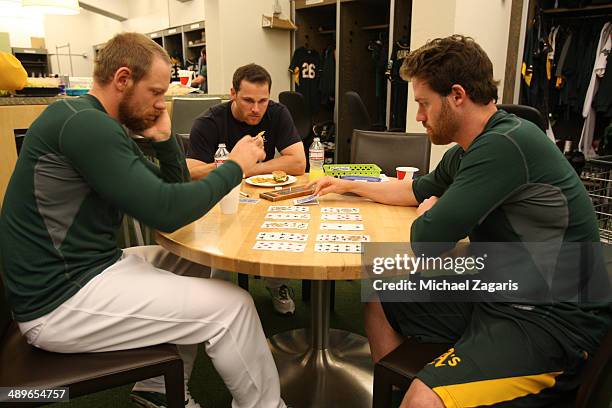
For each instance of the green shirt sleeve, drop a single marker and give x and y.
(436, 182)
(172, 166)
(105, 158)
(487, 174)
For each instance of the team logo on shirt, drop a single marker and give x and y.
(447, 359)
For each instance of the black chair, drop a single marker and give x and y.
(184, 112)
(359, 116)
(296, 104)
(399, 367)
(528, 113)
(391, 149)
(22, 365)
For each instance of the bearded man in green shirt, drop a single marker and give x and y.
(69, 286)
(503, 182)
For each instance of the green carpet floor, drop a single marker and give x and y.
(205, 385)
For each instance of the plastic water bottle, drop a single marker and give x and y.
(316, 157)
(221, 155)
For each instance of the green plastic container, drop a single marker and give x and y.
(340, 170)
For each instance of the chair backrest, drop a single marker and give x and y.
(352, 115)
(5, 311)
(526, 112)
(597, 377)
(296, 104)
(184, 112)
(391, 149)
(358, 113)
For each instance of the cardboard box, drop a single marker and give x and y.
(37, 42)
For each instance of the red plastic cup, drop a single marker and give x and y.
(184, 80)
(402, 172)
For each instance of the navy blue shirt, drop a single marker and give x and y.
(218, 125)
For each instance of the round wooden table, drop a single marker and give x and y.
(318, 367)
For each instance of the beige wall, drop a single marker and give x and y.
(20, 24)
(180, 13)
(235, 37)
(60, 30)
(145, 16)
(485, 20)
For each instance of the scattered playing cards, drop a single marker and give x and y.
(341, 217)
(287, 208)
(339, 210)
(285, 225)
(333, 247)
(287, 216)
(281, 236)
(279, 246)
(341, 227)
(343, 238)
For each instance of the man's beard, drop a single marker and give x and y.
(130, 118)
(446, 126)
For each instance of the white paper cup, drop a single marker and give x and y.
(229, 203)
(406, 172)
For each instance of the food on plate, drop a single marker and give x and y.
(279, 176)
(262, 180)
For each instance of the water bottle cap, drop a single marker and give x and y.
(221, 144)
(316, 139)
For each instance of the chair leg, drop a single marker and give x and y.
(243, 281)
(381, 397)
(332, 294)
(306, 290)
(175, 383)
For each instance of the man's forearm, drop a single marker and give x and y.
(392, 192)
(288, 164)
(198, 169)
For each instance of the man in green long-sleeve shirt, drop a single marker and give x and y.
(504, 182)
(69, 286)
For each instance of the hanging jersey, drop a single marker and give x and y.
(306, 69)
(399, 87)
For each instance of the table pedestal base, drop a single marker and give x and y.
(339, 375)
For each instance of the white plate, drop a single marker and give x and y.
(290, 179)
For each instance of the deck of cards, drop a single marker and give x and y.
(341, 217)
(285, 225)
(339, 210)
(288, 208)
(343, 238)
(288, 217)
(279, 246)
(326, 226)
(308, 200)
(338, 247)
(282, 236)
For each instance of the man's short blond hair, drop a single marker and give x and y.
(131, 50)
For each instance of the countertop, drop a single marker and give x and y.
(42, 100)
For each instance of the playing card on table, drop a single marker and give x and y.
(288, 208)
(341, 227)
(281, 236)
(287, 216)
(246, 200)
(343, 238)
(279, 246)
(341, 217)
(285, 225)
(336, 247)
(339, 210)
(308, 200)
